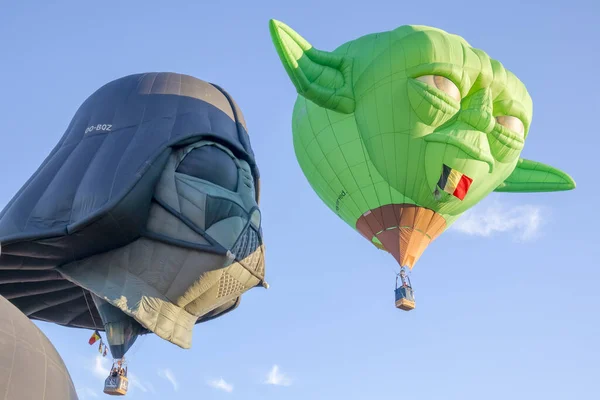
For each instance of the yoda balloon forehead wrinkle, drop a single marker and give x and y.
(413, 126)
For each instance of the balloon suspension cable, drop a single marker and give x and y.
(89, 309)
(102, 348)
(404, 277)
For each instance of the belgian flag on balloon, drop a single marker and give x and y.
(454, 182)
(95, 337)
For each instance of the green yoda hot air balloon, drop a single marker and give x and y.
(401, 132)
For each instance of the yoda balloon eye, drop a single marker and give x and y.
(511, 123)
(442, 83)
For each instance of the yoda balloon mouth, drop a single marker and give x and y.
(414, 126)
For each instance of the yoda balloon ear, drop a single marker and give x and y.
(322, 77)
(532, 176)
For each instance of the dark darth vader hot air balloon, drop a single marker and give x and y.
(143, 218)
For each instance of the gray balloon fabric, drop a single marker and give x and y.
(121, 330)
(30, 366)
(148, 206)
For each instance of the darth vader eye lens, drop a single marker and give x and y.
(442, 83)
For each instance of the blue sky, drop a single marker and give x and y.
(507, 300)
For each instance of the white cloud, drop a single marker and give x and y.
(101, 367)
(134, 381)
(274, 377)
(168, 375)
(523, 220)
(221, 385)
(85, 393)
